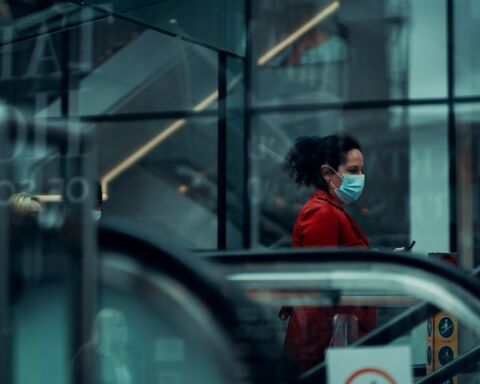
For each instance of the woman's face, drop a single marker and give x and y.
(353, 165)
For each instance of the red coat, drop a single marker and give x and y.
(322, 222)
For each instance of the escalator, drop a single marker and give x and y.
(178, 317)
(406, 291)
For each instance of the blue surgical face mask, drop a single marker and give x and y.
(351, 188)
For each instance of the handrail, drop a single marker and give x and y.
(453, 368)
(386, 333)
(157, 253)
(345, 256)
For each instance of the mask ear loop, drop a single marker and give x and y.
(330, 183)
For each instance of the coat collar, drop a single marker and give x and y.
(322, 195)
(325, 196)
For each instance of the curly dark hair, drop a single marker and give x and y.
(303, 162)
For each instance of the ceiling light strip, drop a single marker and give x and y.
(327, 11)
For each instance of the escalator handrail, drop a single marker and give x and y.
(454, 275)
(394, 328)
(390, 331)
(160, 254)
(154, 254)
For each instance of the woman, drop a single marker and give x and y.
(334, 166)
(107, 351)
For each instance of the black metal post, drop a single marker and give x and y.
(79, 234)
(5, 278)
(222, 153)
(247, 228)
(452, 141)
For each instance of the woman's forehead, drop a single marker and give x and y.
(354, 157)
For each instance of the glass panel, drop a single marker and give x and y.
(235, 23)
(332, 51)
(235, 153)
(173, 76)
(235, 182)
(406, 194)
(162, 173)
(106, 71)
(47, 237)
(37, 271)
(35, 63)
(24, 19)
(467, 58)
(217, 23)
(468, 205)
(157, 331)
(32, 72)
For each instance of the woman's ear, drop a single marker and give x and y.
(330, 176)
(325, 170)
(326, 173)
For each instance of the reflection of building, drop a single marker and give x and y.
(359, 53)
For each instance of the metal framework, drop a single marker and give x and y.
(250, 110)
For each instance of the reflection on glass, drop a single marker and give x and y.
(345, 330)
(110, 342)
(404, 187)
(45, 243)
(105, 69)
(108, 349)
(327, 51)
(468, 150)
(216, 23)
(175, 75)
(172, 186)
(172, 335)
(467, 58)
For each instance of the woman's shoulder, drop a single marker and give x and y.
(318, 206)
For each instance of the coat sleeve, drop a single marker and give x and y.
(321, 228)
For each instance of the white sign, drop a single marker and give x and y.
(372, 365)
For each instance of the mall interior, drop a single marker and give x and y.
(147, 212)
